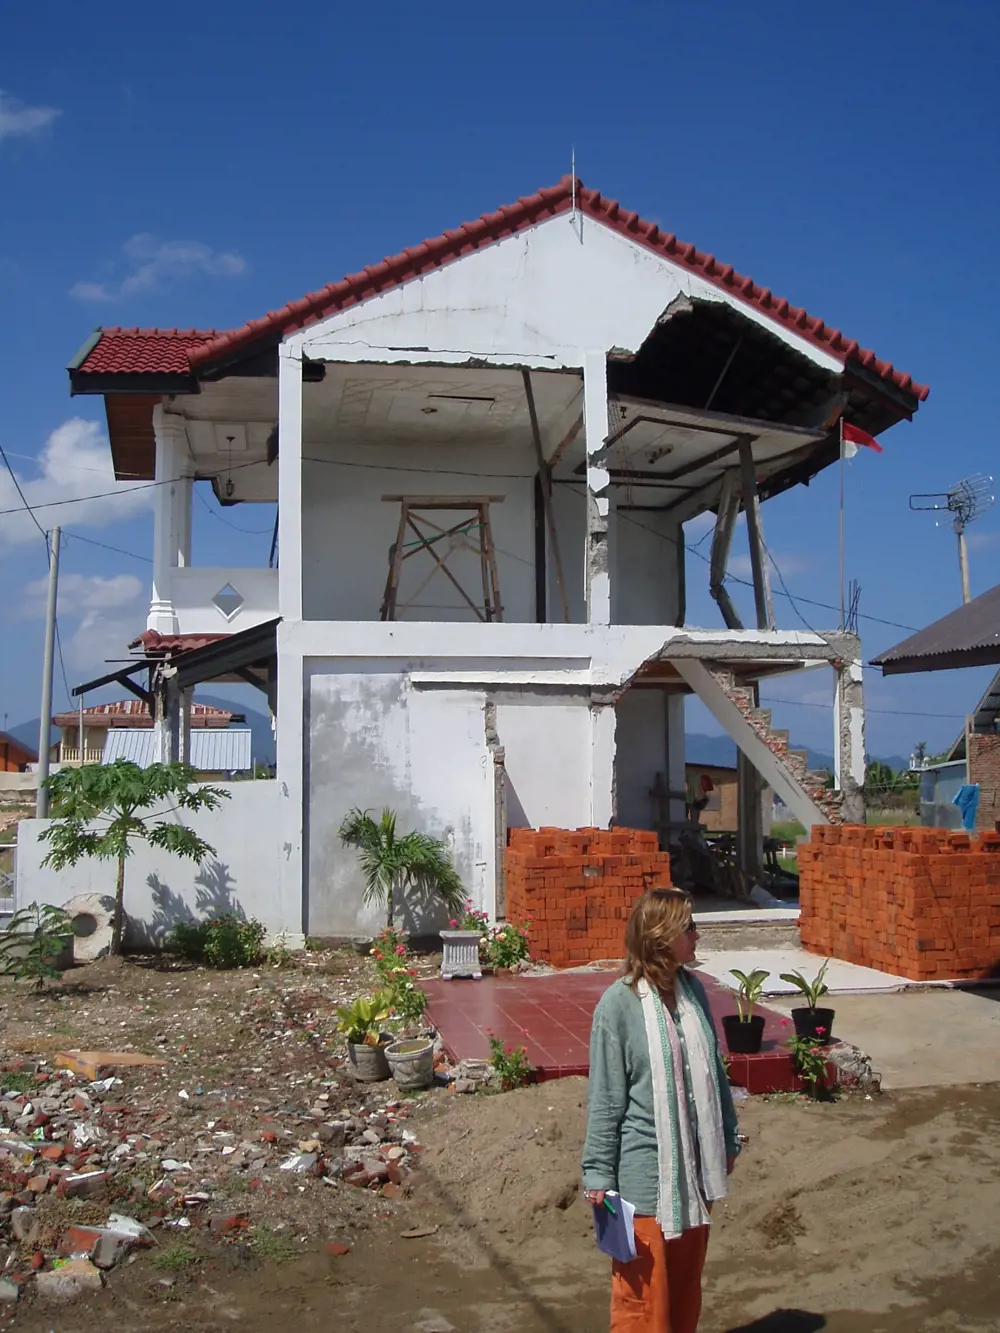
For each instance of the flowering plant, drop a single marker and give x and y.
(470, 919)
(511, 1065)
(809, 1059)
(388, 951)
(505, 945)
(391, 958)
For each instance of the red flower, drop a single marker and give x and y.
(401, 949)
(821, 1032)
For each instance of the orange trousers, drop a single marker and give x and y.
(660, 1290)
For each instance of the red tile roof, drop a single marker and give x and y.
(172, 349)
(154, 642)
(134, 713)
(121, 351)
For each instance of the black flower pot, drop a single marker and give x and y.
(808, 1021)
(743, 1038)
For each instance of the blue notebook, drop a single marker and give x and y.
(615, 1231)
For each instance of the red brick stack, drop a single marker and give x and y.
(577, 888)
(922, 903)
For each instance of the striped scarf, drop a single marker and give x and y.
(691, 1174)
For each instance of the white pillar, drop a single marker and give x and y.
(676, 765)
(171, 530)
(849, 737)
(289, 483)
(292, 793)
(595, 415)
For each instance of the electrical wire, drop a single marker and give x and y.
(105, 546)
(893, 712)
(250, 532)
(24, 500)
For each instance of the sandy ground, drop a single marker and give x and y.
(877, 1216)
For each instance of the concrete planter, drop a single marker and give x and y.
(368, 1063)
(461, 954)
(412, 1062)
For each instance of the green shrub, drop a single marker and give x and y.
(225, 941)
(34, 940)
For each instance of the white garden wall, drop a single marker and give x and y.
(160, 889)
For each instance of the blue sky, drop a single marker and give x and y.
(203, 164)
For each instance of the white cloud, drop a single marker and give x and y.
(75, 462)
(982, 541)
(99, 637)
(109, 612)
(18, 120)
(788, 564)
(149, 264)
(85, 594)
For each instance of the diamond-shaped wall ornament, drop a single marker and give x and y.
(228, 600)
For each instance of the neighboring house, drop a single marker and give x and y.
(15, 756)
(482, 452)
(124, 730)
(720, 814)
(969, 636)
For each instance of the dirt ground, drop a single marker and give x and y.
(863, 1216)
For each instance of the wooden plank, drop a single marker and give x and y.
(444, 501)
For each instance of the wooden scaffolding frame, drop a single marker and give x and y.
(429, 534)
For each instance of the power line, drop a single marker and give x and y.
(118, 550)
(24, 501)
(250, 532)
(895, 712)
(62, 665)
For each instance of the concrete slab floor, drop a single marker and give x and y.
(922, 1038)
(841, 978)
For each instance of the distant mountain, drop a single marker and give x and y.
(721, 751)
(27, 734)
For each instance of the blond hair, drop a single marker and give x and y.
(658, 918)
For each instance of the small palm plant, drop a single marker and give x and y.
(392, 865)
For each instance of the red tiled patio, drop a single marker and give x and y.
(550, 1016)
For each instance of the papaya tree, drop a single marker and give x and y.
(106, 810)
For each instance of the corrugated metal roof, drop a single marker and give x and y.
(969, 636)
(213, 749)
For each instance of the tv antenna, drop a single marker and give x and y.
(965, 502)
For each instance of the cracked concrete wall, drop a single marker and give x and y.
(374, 740)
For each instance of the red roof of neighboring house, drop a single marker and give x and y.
(154, 642)
(171, 350)
(134, 713)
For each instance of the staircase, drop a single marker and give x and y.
(812, 784)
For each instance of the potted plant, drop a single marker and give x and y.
(359, 1023)
(811, 1021)
(411, 1060)
(745, 1030)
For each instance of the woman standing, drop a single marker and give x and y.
(661, 1127)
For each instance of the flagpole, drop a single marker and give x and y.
(843, 609)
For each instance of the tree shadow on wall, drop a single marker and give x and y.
(214, 896)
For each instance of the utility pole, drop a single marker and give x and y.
(963, 560)
(45, 723)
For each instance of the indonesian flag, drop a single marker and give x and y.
(852, 436)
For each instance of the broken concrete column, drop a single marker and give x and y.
(603, 723)
(849, 732)
(597, 566)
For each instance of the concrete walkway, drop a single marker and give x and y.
(841, 978)
(922, 1038)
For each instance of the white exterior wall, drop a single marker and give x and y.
(193, 588)
(347, 531)
(536, 298)
(161, 889)
(546, 741)
(376, 740)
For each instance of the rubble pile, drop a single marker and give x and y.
(93, 1170)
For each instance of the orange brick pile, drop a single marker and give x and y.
(577, 888)
(922, 903)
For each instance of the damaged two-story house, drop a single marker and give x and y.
(482, 451)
